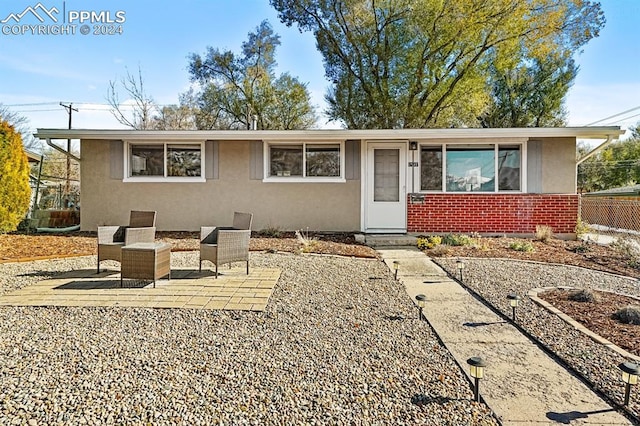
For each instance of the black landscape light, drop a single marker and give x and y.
(476, 365)
(422, 299)
(630, 373)
(460, 265)
(396, 266)
(514, 300)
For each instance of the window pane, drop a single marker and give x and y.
(509, 168)
(286, 160)
(323, 160)
(471, 169)
(431, 168)
(183, 160)
(147, 160)
(386, 175)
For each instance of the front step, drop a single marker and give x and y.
(389, 240)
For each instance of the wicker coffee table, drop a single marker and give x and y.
(146, 261)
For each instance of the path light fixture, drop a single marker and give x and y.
(421, 299)
(630, 372)
(476, 365)
(514, 300)
(396, 266)
(460, 265)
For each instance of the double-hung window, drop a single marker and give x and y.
(305, 161)
(471, 168)
(165, 161)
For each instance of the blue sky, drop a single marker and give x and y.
(48, 69)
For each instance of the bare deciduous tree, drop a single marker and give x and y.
(21, 124)
(140, 114)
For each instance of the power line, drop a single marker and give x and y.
(78, 103)
(31, 104)
(614, 115)
(36, 110)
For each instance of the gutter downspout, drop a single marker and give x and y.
(65, 152)
(610, 138)
(603, 145)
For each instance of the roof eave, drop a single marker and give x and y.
(332, 134)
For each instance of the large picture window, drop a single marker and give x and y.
(164, 160)
(470, 168)
(305, 160)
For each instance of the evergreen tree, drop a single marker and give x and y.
(15, 193)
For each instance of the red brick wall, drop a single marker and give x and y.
(492, 213)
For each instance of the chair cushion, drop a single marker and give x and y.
(118, 237)
(212, 238)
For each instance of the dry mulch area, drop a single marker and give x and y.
(576, 253)
(597, 315)
(14, 247)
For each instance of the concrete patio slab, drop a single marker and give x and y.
(187, 289)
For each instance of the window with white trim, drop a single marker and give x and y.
(471, 168)
(306, 160)
(170, 161)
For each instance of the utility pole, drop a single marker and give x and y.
(67, 186)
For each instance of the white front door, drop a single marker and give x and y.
(386, 190)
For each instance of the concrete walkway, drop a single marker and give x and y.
(522, 384)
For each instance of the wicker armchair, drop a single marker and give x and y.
(231, 245)
(242, 220)
(111, 239)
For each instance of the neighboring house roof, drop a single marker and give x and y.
(32, 157)
(616, 192)
(337, 134)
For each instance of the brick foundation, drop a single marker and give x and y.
(491, 213)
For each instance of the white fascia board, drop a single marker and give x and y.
(332, 135)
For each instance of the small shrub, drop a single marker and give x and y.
(481, 244)
(544, 233)
(582, 228)
(270, 232)
(524, 246)
(439, 251)
(582, 248)
(634, 263)
(627, 247)
(584, 295)
(308, 243)
(457, 240)
(425, 243)
(628, 315)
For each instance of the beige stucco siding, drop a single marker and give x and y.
(559, 166)
(187, 206)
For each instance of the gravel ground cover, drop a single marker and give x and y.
(339, 343)
(493, 279)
